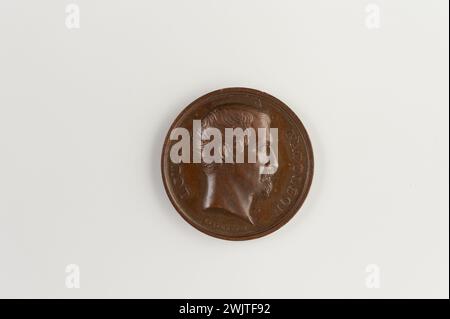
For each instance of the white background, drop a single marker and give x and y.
(83, 115)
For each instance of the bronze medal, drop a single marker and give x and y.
(237, 164)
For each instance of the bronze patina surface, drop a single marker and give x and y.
(234, 201)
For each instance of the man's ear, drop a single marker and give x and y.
(226, 152)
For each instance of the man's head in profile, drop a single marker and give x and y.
(232, 185)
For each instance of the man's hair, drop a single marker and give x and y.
(229, 116)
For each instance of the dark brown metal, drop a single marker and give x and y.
(235, 203)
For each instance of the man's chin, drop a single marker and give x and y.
(266, 193)
(266, 187)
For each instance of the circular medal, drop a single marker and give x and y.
(237, 164)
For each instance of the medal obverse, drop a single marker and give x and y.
(237, 164)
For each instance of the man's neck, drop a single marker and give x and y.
(223, 193)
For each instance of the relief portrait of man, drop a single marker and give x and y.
(234, 186)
